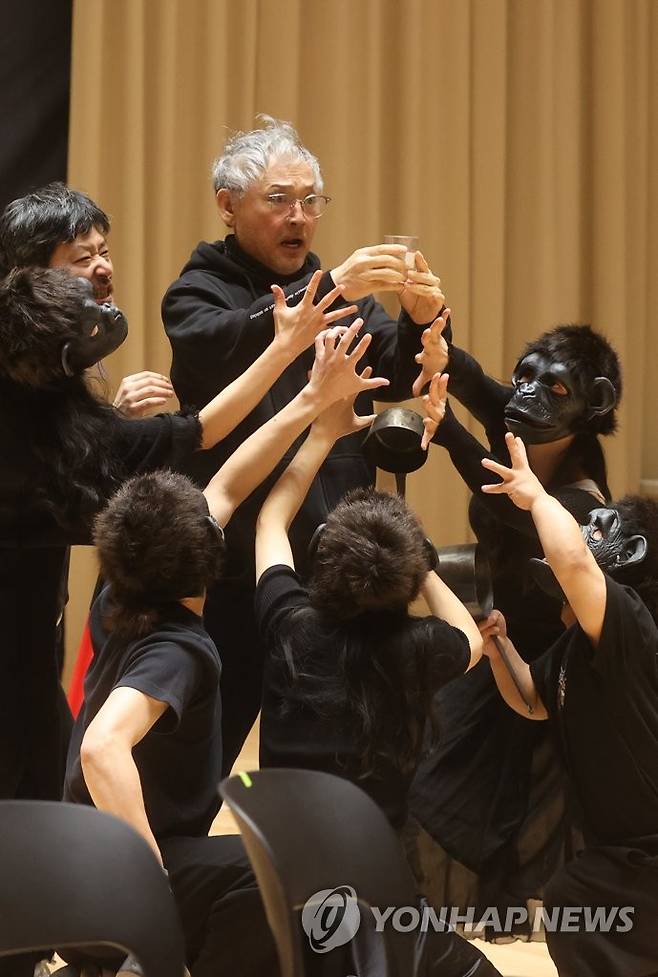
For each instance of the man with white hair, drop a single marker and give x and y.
(218, 317)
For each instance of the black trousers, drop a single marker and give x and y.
(607, 877)
(229, 620)
(221, 910)
(35, 722)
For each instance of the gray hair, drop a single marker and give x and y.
(247, 155)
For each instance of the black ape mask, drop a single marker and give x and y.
(550, 400)
(102, 330)
(610, 545)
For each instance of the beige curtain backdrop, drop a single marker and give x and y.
(517, 138)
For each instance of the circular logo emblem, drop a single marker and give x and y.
(331, 918)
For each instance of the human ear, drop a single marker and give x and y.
(602, 397)
(225, 206)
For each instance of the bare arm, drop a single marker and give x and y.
(106, 757)
(518, 691)
(444, 604)
(295, 330)
(283, 503)
(564, 547)
(333, 377)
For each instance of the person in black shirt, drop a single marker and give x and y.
(56, 227)
(500, 836)
(598, 687)
(350, 674)
(64, 452)
(147, 743)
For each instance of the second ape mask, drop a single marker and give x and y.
(567, 381)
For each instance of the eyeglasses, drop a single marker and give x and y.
(313, 205)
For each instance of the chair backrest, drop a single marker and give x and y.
(307, 831)
(72, 876)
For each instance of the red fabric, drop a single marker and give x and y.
(76, 688)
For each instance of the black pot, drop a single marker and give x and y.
(465, 569)
(393, 441)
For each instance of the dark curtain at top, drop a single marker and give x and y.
(35, 68)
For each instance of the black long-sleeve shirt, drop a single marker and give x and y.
(218, 317)
(507, 533)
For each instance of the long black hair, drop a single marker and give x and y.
(356, 654)
(64, 427)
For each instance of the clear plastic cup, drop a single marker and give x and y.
(409, 241)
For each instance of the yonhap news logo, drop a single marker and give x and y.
(331, 918)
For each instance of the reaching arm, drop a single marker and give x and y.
(333, 378)
(466, 452)
(481, 395)
(564, 547)
(518, 690)
(295, 329)
(216, 330)
(444, 604)
(106, 758)
(484, 397)
(285, 499)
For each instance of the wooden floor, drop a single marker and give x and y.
(512, 959)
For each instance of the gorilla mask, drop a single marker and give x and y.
(550, 400)
(610, 544)
(102, 330)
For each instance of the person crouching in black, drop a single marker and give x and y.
(147, 743)
(598, 688)
(350, 674)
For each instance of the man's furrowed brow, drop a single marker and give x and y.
(307, 187)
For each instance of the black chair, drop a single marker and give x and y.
(306, 831)
(72, 876)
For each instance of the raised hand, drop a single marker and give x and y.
(422, 298)
(519, 481)
(334, 374)
(379, 268)
(141, 392)
(339, 419)
(494, 626)
(434, 356)
(434, 403)
(296, 326)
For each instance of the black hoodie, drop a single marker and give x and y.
(218, 317)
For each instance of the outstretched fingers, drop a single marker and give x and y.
(517, 451)
(438, 392)
(279, 298)
(498, 469)
(329, 299)
(338, 313)
(371, 383)
(312, 287)
(360, 348)
(350, 334)
(430, 426)
(503, 487)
